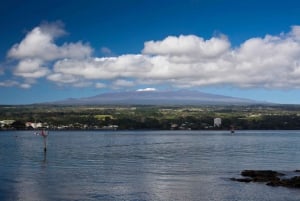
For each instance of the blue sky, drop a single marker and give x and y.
(52, 50)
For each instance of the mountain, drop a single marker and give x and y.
(181, 97)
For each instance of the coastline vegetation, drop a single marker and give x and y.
(251, 117)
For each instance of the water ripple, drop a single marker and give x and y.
(160, 165)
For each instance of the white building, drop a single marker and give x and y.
(34, 125)
(217, 122)
(6, 122)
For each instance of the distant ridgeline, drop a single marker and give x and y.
(181, 97)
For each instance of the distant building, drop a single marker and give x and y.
(34, 125)
(6, 122)
(110, 127)
(217, 122)
(174, 126)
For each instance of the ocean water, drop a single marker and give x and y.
(145, 165)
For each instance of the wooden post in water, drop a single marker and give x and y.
(232, 129)
(44, 134)
(45, 143)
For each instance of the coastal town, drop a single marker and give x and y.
(149, 117)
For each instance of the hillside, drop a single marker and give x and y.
(181, 97)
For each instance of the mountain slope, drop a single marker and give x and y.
(182, 97)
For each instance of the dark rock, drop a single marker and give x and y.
(275, 183)
(271, 178)
(261, 173)
(293, 182)
(246, 180)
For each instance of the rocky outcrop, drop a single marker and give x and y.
(270, 178)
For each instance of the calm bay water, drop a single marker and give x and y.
(152, 165)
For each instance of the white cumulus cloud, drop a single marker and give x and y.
(63, 78)
(104, 68)
(40, 44)
(272, 61)
(188, 47)
(31, 68)
(295, 33)
(38, 49)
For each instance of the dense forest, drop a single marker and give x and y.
(252, 117)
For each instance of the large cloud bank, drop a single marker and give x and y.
(179, 61)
